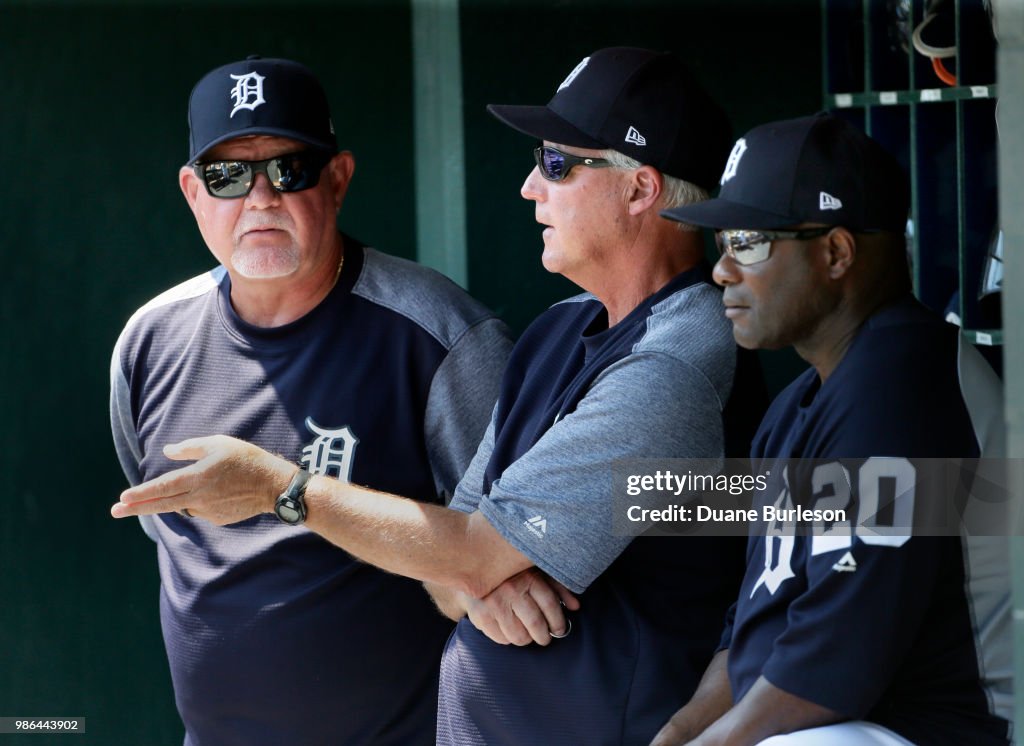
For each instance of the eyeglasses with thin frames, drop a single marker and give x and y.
(748, 247)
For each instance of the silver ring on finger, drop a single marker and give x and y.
(568, 629)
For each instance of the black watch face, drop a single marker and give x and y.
(288, 511)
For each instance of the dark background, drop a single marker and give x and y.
(93, 130)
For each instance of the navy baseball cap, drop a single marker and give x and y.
(259, 96)
(818, 169)
(641, 103)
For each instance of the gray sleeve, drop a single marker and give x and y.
(462, 395)
(554, 504)
(469, 493)
(122, 427)
(122, 424)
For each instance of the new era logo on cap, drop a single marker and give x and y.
(633, 136)
(827, 202)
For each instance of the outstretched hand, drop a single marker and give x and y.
(231, 480)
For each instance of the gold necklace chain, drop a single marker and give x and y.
(337, 273)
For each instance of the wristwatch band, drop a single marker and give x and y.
(291, 504)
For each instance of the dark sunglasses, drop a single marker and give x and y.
(751, 247)
(287, 173)
(555, 165)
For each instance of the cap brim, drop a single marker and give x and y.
(272, 131)
(542, 123)
(722, 214)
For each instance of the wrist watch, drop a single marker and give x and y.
(291, 504)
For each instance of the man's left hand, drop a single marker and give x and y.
(230, 481)
(527, 607)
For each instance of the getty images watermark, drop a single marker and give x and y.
(864, 497)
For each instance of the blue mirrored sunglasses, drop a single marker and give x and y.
(555, 165)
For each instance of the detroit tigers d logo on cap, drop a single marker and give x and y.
(572, 76)
(258, 96)
(247, 93)
(734, 160)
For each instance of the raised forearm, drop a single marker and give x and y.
(231, 481)
(427, 542)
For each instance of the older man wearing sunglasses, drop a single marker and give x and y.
(357, 365)
(640, 366)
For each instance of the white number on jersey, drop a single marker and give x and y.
(893, 478)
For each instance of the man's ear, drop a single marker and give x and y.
(190, 186)
(842, 252)
(645, 188)
(341, 167)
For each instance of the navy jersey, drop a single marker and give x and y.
(884, 628)
(274, 635)
(576, 396)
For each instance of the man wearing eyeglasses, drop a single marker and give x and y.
(854, 633)
(641, 366)
(354, 364)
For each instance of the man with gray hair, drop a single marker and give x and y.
(641, 366)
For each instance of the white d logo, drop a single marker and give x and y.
(572, 76)
(248, 92)
(734, 160)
